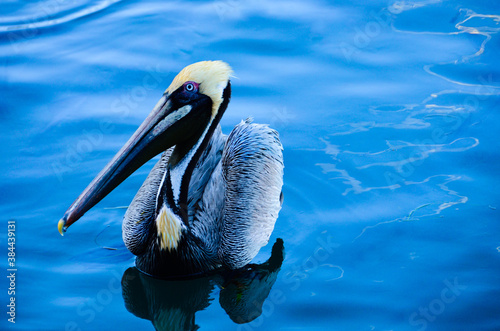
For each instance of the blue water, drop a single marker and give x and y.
(388, 113)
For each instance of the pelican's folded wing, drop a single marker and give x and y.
(137, 221)
(252, 170)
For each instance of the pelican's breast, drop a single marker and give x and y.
(168, 229)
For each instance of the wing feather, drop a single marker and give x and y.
(140, 213)
(252, 171)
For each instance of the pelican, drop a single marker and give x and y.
(212, 200)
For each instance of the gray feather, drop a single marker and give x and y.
(203, 171)
(140, 214)
(233, 200)
(252, 169)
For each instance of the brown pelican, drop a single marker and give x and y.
(211, 200)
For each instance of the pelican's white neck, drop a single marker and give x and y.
(178, 171)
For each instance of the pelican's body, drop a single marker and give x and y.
(211, 200)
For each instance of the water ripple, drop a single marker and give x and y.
(485, 25)
(55, 14)
(421, 151)
(429, 209)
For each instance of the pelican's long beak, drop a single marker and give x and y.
(162, 129)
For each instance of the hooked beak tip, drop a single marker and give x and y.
(61, 226)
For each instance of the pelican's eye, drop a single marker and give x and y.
(191, 87)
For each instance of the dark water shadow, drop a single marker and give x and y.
(172, 304)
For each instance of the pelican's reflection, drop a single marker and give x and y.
(172, 304)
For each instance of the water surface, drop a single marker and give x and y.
(388, 112)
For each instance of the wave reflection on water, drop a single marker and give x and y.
(387, 113)
(43, 14)
(437, 125)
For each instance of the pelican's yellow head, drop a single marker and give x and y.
(212, 77)
(189, 111)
